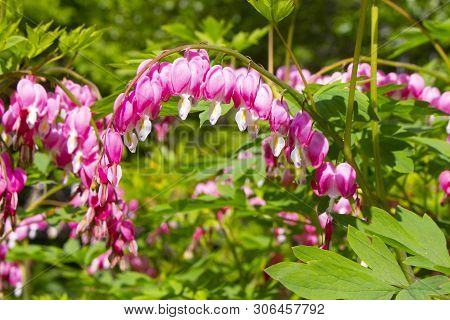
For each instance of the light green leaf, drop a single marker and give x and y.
(425, 289)
(418, 235)
(377, 256)
(439, 145)
(327, 275)
(42, 161)
(273, 10)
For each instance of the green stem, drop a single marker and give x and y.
(351, 95)
(407, 270)
(234, 254)
(76, 75)
(270, 50)
(42, 198)
(2, 10)
(299, 69)
(290, 38)
(391, 63)
(374, 99)
(425, 32)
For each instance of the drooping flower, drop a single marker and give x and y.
(279, 125)
(334, 181)
(218, 87)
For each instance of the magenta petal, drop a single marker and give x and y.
(17, 179)
(113, 147)
(180, 76)
(25, 89)
(345, 179)
(214, 84)
(143, 94)
(317, 149)
(82, 120)
(263, 101)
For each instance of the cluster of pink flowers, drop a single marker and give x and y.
(66, 130)
(10, 273)
(191, 78)
(12, 181)
(414, 84)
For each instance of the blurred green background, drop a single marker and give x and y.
(324, 30)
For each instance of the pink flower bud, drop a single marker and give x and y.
(263, 101)
(317, 149)
(416, 85)
(279, 117)
(113, 147)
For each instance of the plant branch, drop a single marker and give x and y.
(270, 49)
(299, 69)
(374, 99)
(78, 76)
(385, 62)
(425, 32)
(290, 37)
(321, 122)
(347, 150)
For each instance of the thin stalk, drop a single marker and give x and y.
(351, 95)
(2, 10)
(299, 69)
(374, 99)
(407, 270)
(78, 76)
(385, 62)
(425, 32)
(42, 198)
(290, 38)
(270, 50)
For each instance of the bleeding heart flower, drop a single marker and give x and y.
(334, 181)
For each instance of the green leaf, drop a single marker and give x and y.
(418, 235)
(377, 256)
(440, 146)
(179, 30)
(243, 40)
(425, 289)
(41, 161)
(327, 275)
(273, 10)
(332, 101)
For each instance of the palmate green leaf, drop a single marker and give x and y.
(425, 289)
(213, 31)
(243, 40)
(40, 38)
(332, 100)
(179, 30)
(440, 146)
(273, 10)
(377, 256)
(327, 275)
(407, 110)
(417, 235)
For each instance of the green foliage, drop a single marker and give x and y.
(327, 275)
(273, 10)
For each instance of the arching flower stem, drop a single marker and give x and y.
(321, 122)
